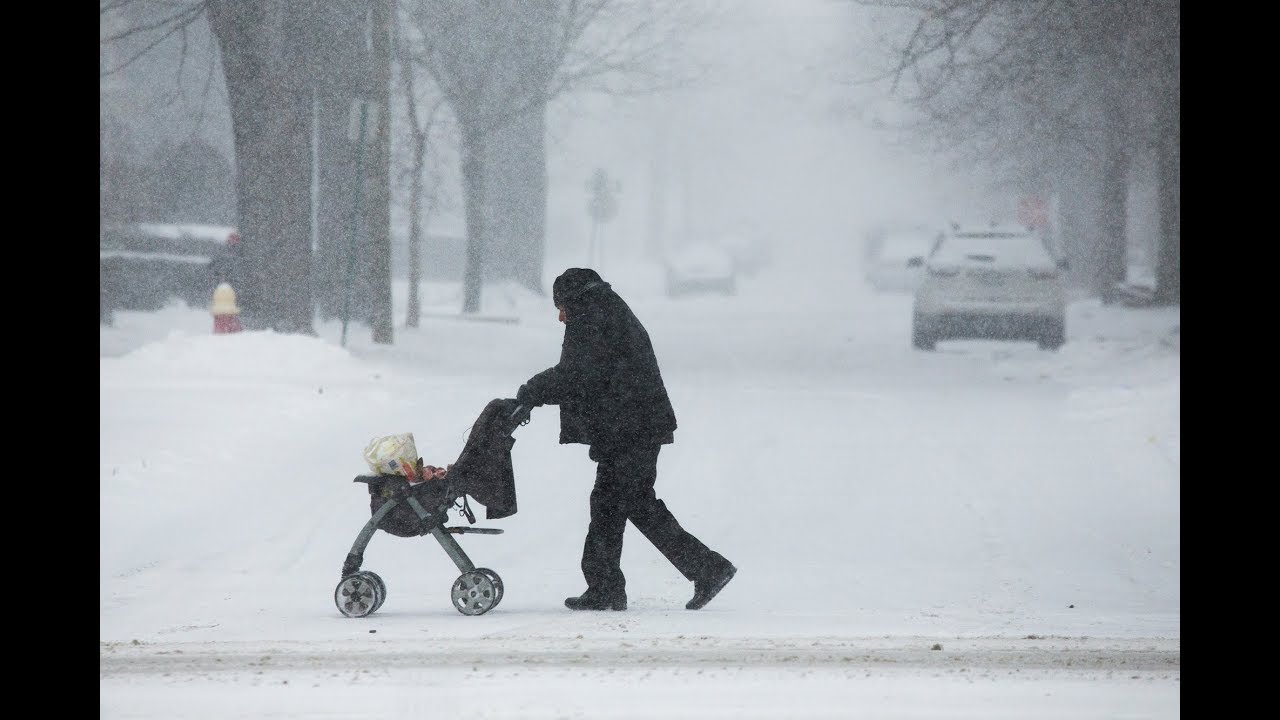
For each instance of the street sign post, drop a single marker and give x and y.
(602, 206)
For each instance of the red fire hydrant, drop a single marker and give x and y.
(226, 316)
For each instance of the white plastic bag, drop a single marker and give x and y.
(393, 455)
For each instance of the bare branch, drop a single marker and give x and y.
(181, 18)
(178, 22)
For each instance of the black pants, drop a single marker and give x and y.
(624, 491)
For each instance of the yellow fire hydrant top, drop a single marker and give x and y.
(224, 301)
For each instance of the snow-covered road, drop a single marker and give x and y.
(988, 531)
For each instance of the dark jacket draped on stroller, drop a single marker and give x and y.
(483, 470)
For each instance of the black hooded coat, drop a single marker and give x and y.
(607, 383)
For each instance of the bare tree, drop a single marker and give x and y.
(1049, 86)
(422, 189)
(156, 57)
(262, 50)
(382, 17)
(264, 55)
(281, 69)
(463, 46)
(499, 64)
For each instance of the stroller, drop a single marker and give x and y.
(414, 509)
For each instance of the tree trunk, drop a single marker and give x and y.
(473, 187)
(503, 193)
(415, 222)
(517, 191)
(271, 112)
(1168, 289)
(417, 166)
(379, 196)
(1113, 249)
(1078, 234)
(1169, 250)
(341, 24)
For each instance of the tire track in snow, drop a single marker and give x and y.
(1031, 653)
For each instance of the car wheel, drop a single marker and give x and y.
(1052, 336)
(922, 337)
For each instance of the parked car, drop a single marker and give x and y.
(700, 268)
(998, 282)
(889, 265)
(751, 252)
(145, 265)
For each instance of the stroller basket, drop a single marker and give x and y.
(401, 518)
(405, 509)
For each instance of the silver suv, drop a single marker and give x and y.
(996, 282)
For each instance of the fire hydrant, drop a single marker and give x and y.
(226, 316)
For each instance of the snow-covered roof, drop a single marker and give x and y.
(195, 231)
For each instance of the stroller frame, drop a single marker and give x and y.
(475, 591)
(361, 592)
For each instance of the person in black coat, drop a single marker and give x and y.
(612, 399)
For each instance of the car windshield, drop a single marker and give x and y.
(996, 247)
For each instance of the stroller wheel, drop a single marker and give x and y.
(357, 595)
(474, 593)
(497, 584)
(376, 579)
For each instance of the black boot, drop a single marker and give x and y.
(591, 600)
(706, 588)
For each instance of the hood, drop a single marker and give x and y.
(572, 283)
